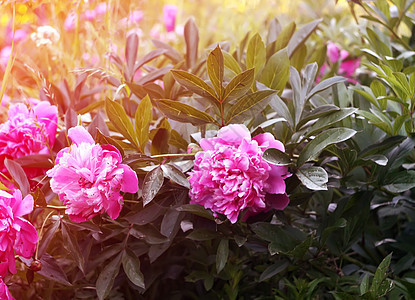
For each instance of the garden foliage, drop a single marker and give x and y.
(278, 167)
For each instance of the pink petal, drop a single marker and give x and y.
(129, 180)
(277, 201)
(80, 135)
(22, 207)
(234, 133)
(275, 181)
(267, 140)
(25, 244)
(333, 52)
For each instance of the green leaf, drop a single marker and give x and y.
(71, 243)
(107, 276)
(19, 175)
(100, 138)
(378, 159)
(284, 37)
(364, 285)
(202, 234)
(222, 255)
(196, 209)
(52, 270)
(160, 141)
(279, 106)
(245, 103)
(239, 85)
(273, 270)
(301, 36)
(194, 84)
(400, 182)
(131, 48)
(143, 117)
(276, 157)
(340, 223)
(184, 113)
(325, 84)
(317, 113)
(328, 137)
(380, 274)
(256, 54)
(216, 69)
(297, 60)
(120, 121)
(378, 88)
(277, 71)
(324, 122)
(314, 178)
(231, 63)
(131, 266)
(152, 184)
(191, 36)
(175, 175)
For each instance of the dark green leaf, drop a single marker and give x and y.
(364, 285)
(131, 266)
(174, 174)
(152, 184)
(276, 157)
(222, 255)
(380, 274)
(71, 243)
(326, 121)
(52, 270)
(317, 113)
(273, 270)
(196, 209)
(47, 237)
(107, 276)
(328, 137)
(202, 234)
(400, 182)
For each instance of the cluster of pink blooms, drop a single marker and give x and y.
(347, 65)
(230, 176)
(28, 131)
(17, 235)
(88, 177)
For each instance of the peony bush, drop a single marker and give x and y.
(212, 150)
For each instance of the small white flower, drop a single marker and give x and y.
(45, 36)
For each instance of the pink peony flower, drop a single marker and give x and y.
(230, 175)
(346, 66)
(169, 16)
(88, 177)
(28, 131)
(16, 233)
(4, 291)
(70, 21)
